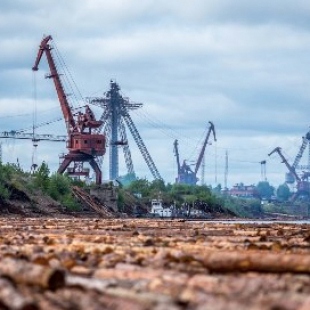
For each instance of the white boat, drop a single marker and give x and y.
(158, 210)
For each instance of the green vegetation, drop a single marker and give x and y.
(12, 173)
(55, 186)
(283, 192)
(247, 208)
(265, 190)
(204, 198)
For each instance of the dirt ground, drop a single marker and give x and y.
(153, 264)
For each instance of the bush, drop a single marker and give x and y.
(41, 177)
(58, 186)
(70, 203)
(250, 207)
(4, 192)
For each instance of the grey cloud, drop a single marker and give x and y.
(243, 65)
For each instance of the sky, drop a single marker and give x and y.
(244, 65)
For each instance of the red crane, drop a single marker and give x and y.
(83, 145)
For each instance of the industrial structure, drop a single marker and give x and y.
(34, 137)
(185, 173)
(292, 177)
(83, 143)
(115, 116)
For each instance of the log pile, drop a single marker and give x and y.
(91, 203)
(153, 264)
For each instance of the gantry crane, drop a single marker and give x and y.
(185, 174)
(114, 118)
(83, 144)
(302, 183)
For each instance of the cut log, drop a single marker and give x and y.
(222, 261)
(21, 271)
(12, 299)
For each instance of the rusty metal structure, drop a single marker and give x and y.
(83, 143)
(303, 185)
(185, 173)
(115, 116)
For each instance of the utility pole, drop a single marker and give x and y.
(226, 171)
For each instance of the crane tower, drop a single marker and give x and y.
(114, 118)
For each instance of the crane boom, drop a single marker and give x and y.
(30, 136)
(289, 167)
(211, 129)
(144, 151)
(46, 48)
(176, 153)
(305, 141)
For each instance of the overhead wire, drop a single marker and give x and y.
(39, 125)
(171, 133)
(68, 80)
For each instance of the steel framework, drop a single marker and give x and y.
(114, 118)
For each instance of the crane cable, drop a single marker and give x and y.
(34, 125)
(68, 76)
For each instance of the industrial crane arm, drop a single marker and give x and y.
(305, 141)
(30, 136)
(45, 47)
(289, 167)
(176, 152)
(211, 129)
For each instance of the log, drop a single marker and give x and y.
(12, 299)
(223, 261)
(21, 271)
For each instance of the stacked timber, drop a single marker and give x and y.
(149, 264)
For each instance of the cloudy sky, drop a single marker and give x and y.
(244, 65)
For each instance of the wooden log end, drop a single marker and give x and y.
(56, 279)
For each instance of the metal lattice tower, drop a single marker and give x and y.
(115, 117)
(263, 170)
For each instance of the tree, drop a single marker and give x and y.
(265, 190)
(217, 189)
(140, 186)
(41, 176)
(157, 188)
(59, 185)
(283, 192)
